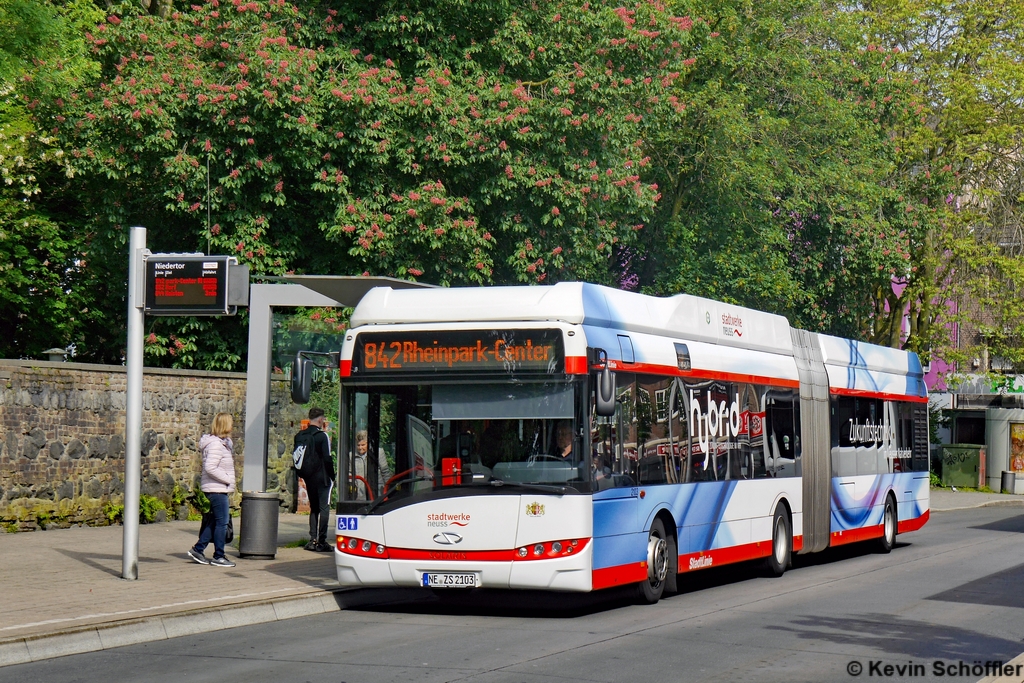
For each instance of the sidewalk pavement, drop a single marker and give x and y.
(62, 591)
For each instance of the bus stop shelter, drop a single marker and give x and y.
(296, 290)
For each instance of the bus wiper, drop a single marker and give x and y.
(543, 488)
(384, 496)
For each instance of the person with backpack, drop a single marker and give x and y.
(312, 459)
(218, 481)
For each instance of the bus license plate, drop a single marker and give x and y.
(448, 580)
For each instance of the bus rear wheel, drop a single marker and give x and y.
(888, 539)
(651, 590)
(782, 544)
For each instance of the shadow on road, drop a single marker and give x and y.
(491, 603)
(1001, 589)
(903, 637)
(1011, 524)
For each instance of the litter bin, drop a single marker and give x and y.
(257, 536)
(1009, 482)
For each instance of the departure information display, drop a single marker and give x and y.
(459, 351)
(186, 285)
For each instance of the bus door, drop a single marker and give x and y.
(613, 442)
(379, 447)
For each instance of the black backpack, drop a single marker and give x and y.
(305, 457)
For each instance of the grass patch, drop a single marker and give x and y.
(301, 543)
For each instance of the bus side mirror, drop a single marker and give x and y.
(302, 379)
(604, 388)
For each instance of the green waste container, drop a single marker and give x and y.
(963, 465)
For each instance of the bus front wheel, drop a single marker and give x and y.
(651, 590)
(782, 545)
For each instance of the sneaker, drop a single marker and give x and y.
(323, 548)
(221, 562)
(310, 546)
(197, 556)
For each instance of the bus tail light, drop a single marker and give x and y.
(362, 547)
(550, 549)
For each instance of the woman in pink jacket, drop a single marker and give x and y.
(217, 482)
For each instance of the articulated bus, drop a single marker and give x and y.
(576, 437)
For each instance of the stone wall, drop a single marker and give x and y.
(62, 437)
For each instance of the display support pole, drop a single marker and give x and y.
(133, 404)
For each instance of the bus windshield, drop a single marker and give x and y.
(410, 440)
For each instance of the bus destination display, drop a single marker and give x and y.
(459, 351)
(192, 284)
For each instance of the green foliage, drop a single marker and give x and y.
(44, 518)
(42, 56)
(148, 507)
(199, 502)
(959, 137)
(935, 481)
(114, 512)
(179, 496)
(508, 155)
(300, 543)
(790, 156)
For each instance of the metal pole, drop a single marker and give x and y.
(133, 405)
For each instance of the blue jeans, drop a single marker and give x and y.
(215, 525)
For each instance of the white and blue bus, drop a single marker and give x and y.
(575, 437)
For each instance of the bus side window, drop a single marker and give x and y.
(780, 446)
(611, 437)
(656, 463)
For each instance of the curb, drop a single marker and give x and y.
(27, 649)
(986, 504)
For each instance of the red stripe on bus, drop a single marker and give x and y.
(619, 575)
(913, 524)
(720, 556)
(671, 370)
(856, 535)
(345, 368)
(575, 365)
(864, 393)
(452, 555)
(798, 543)
(510, 555)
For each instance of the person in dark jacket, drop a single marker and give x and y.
(318, 474)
